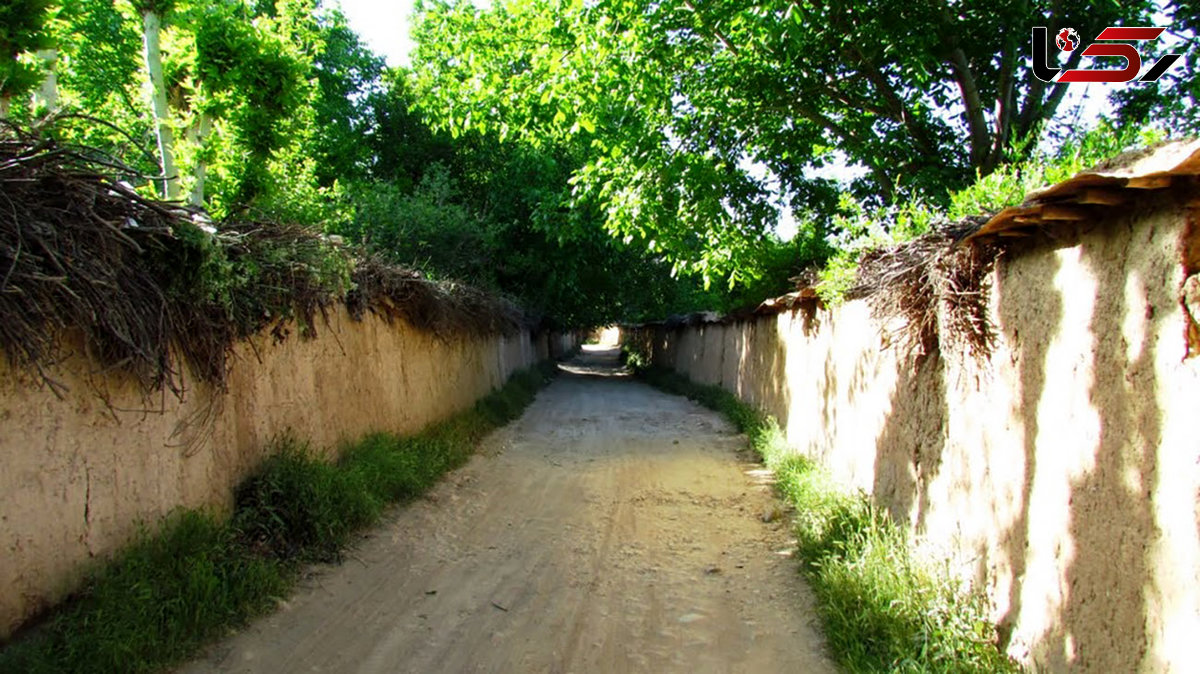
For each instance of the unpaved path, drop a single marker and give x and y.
(613, 528)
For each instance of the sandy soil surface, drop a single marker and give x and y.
(613, 528)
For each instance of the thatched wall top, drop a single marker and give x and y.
(1119, 181)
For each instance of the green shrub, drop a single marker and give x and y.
(1008, 184)
(155, 603)
(297, 506)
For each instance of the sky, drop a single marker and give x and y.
(383, 25)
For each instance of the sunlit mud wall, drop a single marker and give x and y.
(80, 473)
(1061, 474)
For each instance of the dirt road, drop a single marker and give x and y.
(613, 528)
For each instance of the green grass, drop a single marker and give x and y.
(883, 609)
(199, 575)
(156, 603)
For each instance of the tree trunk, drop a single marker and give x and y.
(199, 132)
(151, 26)
(5, 102)
(47, 94)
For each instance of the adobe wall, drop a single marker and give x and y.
(1061, 474)
(81, 473)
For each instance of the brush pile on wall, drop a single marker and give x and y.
(148, 282)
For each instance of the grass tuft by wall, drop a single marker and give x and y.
(883, 609)
(198, 575)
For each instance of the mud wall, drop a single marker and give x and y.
(1061, 474)
(561, 344)
(80, 473)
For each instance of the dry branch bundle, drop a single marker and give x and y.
(441, 307)
(72, 244)
(937, 286)
(147, 283)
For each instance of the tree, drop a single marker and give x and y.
(253, 75)
(230, 102)
(497, 215)
(100, 72)
(1172, 102)
(349, 80)
(152, 13)
(398, 141)
(696, 114)
(23, 31)
(546, 74)
(926, 95)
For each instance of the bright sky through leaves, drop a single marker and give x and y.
(383, 25)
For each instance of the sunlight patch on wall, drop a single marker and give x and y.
(1068, 437)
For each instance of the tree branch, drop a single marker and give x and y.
(826, 123)
(968, 88)
(976, 122)
(898, 110)
(883, 176)
(1055, 97)
(853, 102)
(1037, 105)
(1005, 108)
(714, 32)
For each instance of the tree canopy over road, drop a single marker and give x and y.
(677, 103)
(596, 160)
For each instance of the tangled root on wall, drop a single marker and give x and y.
(938, 287)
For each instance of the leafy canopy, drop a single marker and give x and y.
(23, 25)
(696, 115)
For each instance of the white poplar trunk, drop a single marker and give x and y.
(47, 94)
(151, 27)
(5, 102)
(199, 132)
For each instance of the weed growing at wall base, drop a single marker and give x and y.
(197, 576)
(883, 609)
